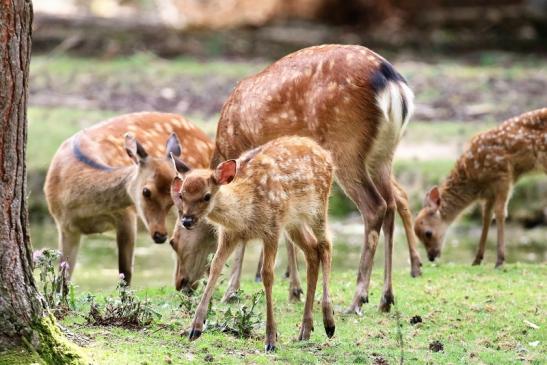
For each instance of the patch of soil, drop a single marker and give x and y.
(379, 360)
(436, 346)
(445, 89)
(415, 320)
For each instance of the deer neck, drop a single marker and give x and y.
(232, 208)
(113, 190)
(457, 193)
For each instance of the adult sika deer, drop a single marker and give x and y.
(486, 171)
(100, 176)
(273, 188)
(354, 104)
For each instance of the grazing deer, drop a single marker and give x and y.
(273, 188)
(100, 176)
(486, 171)
(354, 104)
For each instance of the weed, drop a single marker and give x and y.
(240, 321)
(53, 281)
(126, 310)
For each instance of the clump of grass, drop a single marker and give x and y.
(53, 281)
(241, 320)
(126, 310)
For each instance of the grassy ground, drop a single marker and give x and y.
(479, 314)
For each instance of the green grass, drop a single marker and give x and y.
(140, 65)
(478, 313)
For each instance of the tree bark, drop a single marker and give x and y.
(24, 318)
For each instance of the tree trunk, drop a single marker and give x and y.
(24, 318)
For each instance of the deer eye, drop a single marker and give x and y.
(146, 192)
(207, 197)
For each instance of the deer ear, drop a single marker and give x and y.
(134, 149)
(178, 165)
(176, 187)
(433, 198)
(225, 172)
(173, 146)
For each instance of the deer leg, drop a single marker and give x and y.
(69, 242)
(125, 238)
(373, 208)
(270, 251)
(235, 276)
(295, 289)
(226, 246)
(258, 277)
(401, 199)
(500, 207)
(388, 228)
(486, 219)
(324, 246)
(299, 238)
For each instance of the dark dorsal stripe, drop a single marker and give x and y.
(82, 157)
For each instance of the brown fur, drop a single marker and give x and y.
(286, 184)
(84, 199)
(327, 93)
(486, 171)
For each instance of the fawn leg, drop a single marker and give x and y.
(401, 199)
(270, 251)
(486, 219)
(226, 246)
(295, 288)
(235, 275)
(258, 276)
(299, 238)
(126, 231)
(324, 246)
(499, 211)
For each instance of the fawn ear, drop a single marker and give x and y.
(225, 172)
(176, 187)
(134, 149)
(433, 198)
(178, 165)
(173, 146)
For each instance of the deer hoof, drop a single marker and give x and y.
(499, 264)
(329, 330)
(194, 334)
(295, 295)
(386, 302)
(258, 278)
(269, 347)
(354, 309)
(416, 271)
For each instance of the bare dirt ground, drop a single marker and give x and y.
(474, 87)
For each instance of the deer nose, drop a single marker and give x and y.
(428, 234)
(159, 237)
(188, 221)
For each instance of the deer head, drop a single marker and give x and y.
(429, 226)
(149, 187)
(194, 195)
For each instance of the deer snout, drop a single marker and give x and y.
(433, 254)
(188, 221)
(159, 237)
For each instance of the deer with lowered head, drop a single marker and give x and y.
(273, 188)
(102, 178)
(353, 103)
(486, 171)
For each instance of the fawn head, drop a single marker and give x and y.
(429, 226)
(194, 193)
(192, 249)
(149, 187)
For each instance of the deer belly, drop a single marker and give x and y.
(96, 224)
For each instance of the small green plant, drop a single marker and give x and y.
(126, 310)
(240, 321)
(53, 281)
